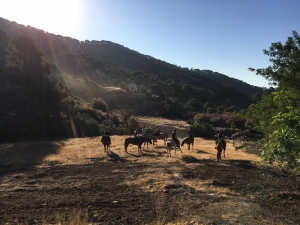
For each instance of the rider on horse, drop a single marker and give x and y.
(143, 131)
(106, 138)
(106, 133)
(135, 136)
(191, 136)
(174, 137)
(157, 131)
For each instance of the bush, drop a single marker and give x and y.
(99, 104)
(203, 129)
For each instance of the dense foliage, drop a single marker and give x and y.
(104, 63)
(54, 86)
(34, 104)
(278, 114)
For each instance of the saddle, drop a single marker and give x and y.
(136, 139)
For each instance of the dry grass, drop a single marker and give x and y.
(86, 150)
(153, 179)
(83, 150)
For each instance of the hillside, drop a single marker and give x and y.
(53, 87)
(110, 64)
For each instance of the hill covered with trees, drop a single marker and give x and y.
(110, 64)
(57, 86)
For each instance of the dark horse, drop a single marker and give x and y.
(137, 141)
(161, 136)
(188, 141)
(106, 142)
(153, 139)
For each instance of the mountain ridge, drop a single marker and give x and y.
(123, 56)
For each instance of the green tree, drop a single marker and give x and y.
(278, 114)
(157, 91)
(99, 104)
(193, 105)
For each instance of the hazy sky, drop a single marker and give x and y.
(225, 36)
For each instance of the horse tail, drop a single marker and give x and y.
(166, 136)
(182, 142)
(125, 145)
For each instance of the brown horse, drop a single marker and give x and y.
(106, 143)
(161, 136)
(153, 138)
(219, 147)
(188, 141)
(137, 141)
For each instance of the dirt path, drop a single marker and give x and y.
(43, 182)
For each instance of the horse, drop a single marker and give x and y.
(106, 143)
(153, 138)
(171, 143)
(136, 141)
(161, 136)
(188, 141)
(220, 147)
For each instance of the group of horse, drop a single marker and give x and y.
(151, 139)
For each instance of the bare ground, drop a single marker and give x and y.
(42, 182)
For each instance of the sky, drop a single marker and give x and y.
(225, 36)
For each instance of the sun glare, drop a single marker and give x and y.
(54, 16)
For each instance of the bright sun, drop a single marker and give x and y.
(54, 16)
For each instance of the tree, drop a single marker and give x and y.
(173, 108)
(285, 71)
(157, 91)
(193, 105)
(278, 114)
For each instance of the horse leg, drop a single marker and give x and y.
(107, 151)
(219, 155)
(180, 149)
(168, 151)
(189, 146)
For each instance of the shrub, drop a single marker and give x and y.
(203, 129)
(99, 104)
